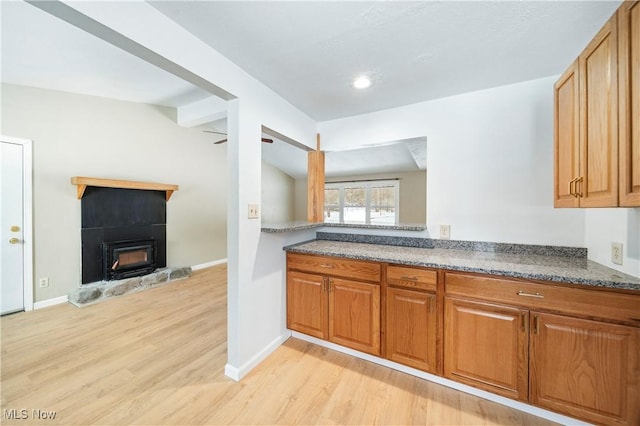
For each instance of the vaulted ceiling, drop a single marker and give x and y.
(308, 52)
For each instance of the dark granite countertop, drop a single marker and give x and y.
(298, 226)
(565, 269)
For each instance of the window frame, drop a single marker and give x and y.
(367, 184)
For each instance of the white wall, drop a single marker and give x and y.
(300, 213)
(278, 195)
(620, 225)
(490, 162)
(78, 135)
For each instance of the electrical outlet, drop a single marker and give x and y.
(616, 253)
(254, 212)
(445, 232)
(43, 282)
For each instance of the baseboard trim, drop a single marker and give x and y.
(51, 302)
(209, 264)
(549, 415)
(237, 373)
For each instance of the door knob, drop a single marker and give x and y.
(15, 228)
(13, 241)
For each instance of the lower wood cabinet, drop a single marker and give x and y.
(341, 310)
(587, 369)
(498, 339)
(486, 346)
(307, 304)
(354, 315)
(568, 349)
(411, 328)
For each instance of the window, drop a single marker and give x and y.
(373, 202)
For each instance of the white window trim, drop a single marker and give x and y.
(367, 184)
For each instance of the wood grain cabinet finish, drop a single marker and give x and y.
(596, 100)
(412, 278)
(341, 310)
(411, 328)
(587, 369)
(598, 71)
(572, 350)
(486, 346)
(307, 310)
(596, 119)
(566, 138)
(579, 362)
(335, 266)
(354, 315)
(629, 102)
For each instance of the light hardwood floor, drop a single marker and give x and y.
(157, 358)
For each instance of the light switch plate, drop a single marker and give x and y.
(254, 211)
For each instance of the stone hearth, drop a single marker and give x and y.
(102, 290)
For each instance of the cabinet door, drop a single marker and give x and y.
(411, 328)
(587, 369)
(629, 101)
(307, 304)
(598, 70)
(566, 140)
(486, 346)
(354, 315)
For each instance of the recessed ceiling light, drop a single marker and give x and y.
(362, 82)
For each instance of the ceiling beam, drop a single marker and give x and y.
(201, 112)
(84, 22)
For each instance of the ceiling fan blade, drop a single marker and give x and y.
(266, 140)
(220, 141)
(217, 133)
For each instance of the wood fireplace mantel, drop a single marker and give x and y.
(82, 183)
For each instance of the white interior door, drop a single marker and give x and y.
(11, 244)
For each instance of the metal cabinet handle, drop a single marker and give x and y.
(571, 190)
(326, 265)
(578, 181)
(536, 324)
(525, 294)
(414, 278)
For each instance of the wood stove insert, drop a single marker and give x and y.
(126, 259)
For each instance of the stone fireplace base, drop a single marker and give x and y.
(98, 291)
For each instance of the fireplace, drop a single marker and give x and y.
(122, 225)
(126, 259)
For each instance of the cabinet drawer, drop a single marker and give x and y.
(357, 269)
(408, 277)
(578, 301)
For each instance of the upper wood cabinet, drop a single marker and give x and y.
(586, 143)
(629, 102)
(566, 132)
(597, 185)
(596, 124)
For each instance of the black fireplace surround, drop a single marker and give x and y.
(123, 233)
